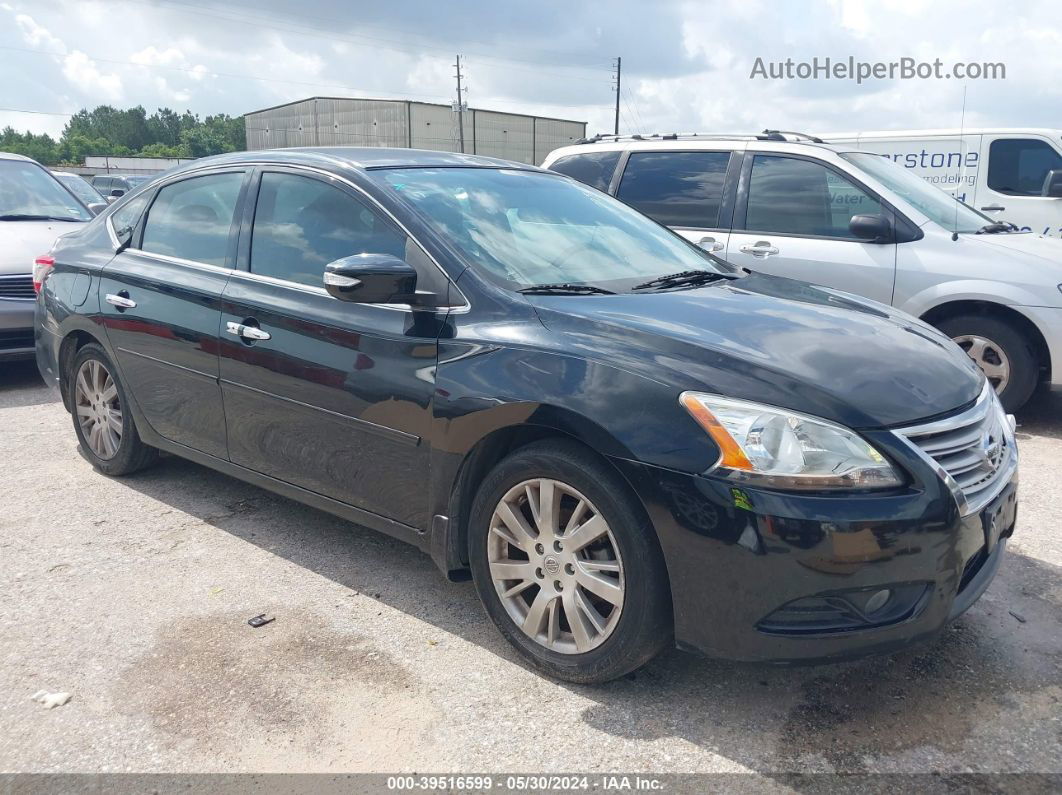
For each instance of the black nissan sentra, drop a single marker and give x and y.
(626, 441)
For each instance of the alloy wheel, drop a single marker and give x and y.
(98, 408)
(556, 566)
(989, 356)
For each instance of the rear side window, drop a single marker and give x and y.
(191, 219)
(592, 168)
(801, 197)
(101, 183)
(1019, 166)
(301, 224)
(676, 188)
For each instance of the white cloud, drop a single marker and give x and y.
(81, 70)
(37, 35)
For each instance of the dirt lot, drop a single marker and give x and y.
(134, 594)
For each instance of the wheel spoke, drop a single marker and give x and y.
(536, 615)
(114, 421)
(576, 621)
(588, 612)
(519, 588)
(553, 630)
(110, 393)
(84, 411)
(94, 438)
(511, 570)
(600, 586)
(589, 531)
(993, 370)
(522, 534)
(576, 517)
(83, 385)
(546, 513)
(976, 351)
(611, 566)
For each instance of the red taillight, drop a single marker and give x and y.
(42, 266)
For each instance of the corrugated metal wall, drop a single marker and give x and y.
(376, 122)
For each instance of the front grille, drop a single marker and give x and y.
(18, 286)
(16, 340)
(973, 450)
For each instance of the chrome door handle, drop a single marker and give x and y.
(247, 332)
(121, 301)
(710, 244)
(761, 248)
(994, 208)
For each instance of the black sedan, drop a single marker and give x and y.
(625, 440)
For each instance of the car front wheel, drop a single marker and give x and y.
(566, 565)
(1001, 351)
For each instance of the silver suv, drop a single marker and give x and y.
(789, 205)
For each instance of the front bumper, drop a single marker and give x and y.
(746, 565)
(16, 329)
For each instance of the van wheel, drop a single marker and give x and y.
(102, 421)
(1002, 353)
(567, 566)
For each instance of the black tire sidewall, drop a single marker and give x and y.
(644, 626)
(1024, 367)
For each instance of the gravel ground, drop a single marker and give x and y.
(133, 595)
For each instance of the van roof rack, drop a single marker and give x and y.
(766, 135)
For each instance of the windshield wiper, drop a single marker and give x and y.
(682, 278)
(29, 217)
(995, 227)
(565, 289)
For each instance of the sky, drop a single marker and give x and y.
(686, 65)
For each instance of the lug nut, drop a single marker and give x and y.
(539, 549)
(557, 584)
(557, 546)
(569, 568)
(539, 574)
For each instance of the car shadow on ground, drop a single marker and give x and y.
(21, 385)
(766, 718)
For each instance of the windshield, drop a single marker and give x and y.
(527, 229)
(80, 188)
(942, 208)
(134, 181)
(29, 192)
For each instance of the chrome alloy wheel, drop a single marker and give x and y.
(99, 411)
(989, 357)
(556, 566)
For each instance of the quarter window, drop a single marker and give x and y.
(126, 217)
(801, 197)
(191, 219)
(592, 168)
(1019, 166)
(301, 224)
(683, 189)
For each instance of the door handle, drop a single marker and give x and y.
(122, 300)
(994, 208)
(710, 244)
(246, 332)
(761, 248)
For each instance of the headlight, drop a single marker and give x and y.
(783, 449)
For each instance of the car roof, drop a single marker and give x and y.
(695, 142)
(13, 156)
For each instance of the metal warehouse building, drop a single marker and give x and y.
(335, 121)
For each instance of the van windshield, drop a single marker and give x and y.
(942, 208)
(528, 229)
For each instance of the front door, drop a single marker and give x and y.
(331, 396)
(161, 304)
(794, 223)
(1011, 187)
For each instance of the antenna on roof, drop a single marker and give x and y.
(962, 140)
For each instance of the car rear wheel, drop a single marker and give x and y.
(1002, 353)
(566, 565)
(104, 426)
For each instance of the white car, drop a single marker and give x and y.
(1010, 174)
(787, 205)
(35, 209)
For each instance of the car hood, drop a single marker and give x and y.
(778, 341)
(21, 242)
(1048, 249)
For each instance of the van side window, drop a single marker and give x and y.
(683, 189)
(191, 219)
(592, 168)
(800, 197)
(301, 224)
(1019, 166)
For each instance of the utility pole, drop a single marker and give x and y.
(619, 64)
(460, 106)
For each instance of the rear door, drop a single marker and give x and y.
(331, 396)
(161, 304)
(792, 219)
(683, 190)
(1011, 186)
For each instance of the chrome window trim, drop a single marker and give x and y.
(461, 308)
(977, 413)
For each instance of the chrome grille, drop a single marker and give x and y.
(18, 286)
(974, 452)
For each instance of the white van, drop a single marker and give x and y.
(1011, 175)
(834, 215)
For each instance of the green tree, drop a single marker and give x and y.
(41, 148)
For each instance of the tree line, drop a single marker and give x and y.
(106, 130)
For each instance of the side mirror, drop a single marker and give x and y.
(117, 192)
(371, 279)
(1053, 184)
(97, 207)
(874, 228)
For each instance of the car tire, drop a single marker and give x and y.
(607, 640)
(103, 424)
(997, 346)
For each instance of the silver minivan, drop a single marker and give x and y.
(789, 205)
(35, 209)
